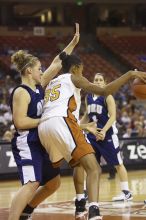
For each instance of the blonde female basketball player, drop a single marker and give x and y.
(34, 166)
(60, 132)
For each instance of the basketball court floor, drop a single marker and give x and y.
(60, 205)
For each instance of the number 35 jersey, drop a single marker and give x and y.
(62, 98)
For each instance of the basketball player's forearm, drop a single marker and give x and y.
(84, 126)
(74, 41)
(109, 124)
(70, 47)
(55, 66)
(26, 123)
(51, 72)
(116, 84)
(84, 119)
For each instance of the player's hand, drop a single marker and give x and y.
(138, 74)
(92, 127)
(100, 134)
(77, 34)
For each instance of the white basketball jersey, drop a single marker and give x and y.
(61, 98)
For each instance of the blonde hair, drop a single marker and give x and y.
(21, 59)
(99, 74)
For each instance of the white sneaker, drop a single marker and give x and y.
(123, 197)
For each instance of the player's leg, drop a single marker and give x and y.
(94, 144)
(123, 176)
(50, 183)
(83, 152)
(93, 171)
(109, 149)
(70, 142)
(80, 202)
(112, 172)
(22, 197)
(29, 162)
(44, 191)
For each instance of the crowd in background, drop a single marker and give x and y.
(131, 113)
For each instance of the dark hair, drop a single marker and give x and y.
(101, 74)
(68, 61)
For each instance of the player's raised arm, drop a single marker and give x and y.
(55, 66)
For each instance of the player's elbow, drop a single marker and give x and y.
(19, 124)
(113, 118)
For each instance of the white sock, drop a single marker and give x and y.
(93, 203)
(80, 196)
(124, 186)
(84, 184)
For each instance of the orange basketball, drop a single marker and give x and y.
(139, 89)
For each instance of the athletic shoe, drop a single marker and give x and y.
(94, 213)
(25, 216)
(80, 212)
(124, 196)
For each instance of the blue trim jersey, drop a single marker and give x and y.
(98, 112)
(31, 158)
(109, 147)
(35, 109)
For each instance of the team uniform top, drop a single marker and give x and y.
(62, 98)
(98, 112)
(34, 111)
(31, 158)
(59, 130)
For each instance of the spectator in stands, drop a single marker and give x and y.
(128, 133)
(125, 119)
(8, 135)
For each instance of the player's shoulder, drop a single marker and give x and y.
(109, 98)
(20, 91)
(60, 78)
(64, 76)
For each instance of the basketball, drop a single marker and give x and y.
(139, 89)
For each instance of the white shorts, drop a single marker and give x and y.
(63, 139)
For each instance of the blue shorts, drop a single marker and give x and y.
(108, 148)
(33, 162)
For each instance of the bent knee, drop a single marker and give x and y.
(119, 166)
(54, 183)
(57, 182)
(33, 185)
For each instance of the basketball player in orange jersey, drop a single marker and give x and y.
(102, 110)
(38, 177)
(60, 133)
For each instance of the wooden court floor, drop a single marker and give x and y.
(60, 205)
